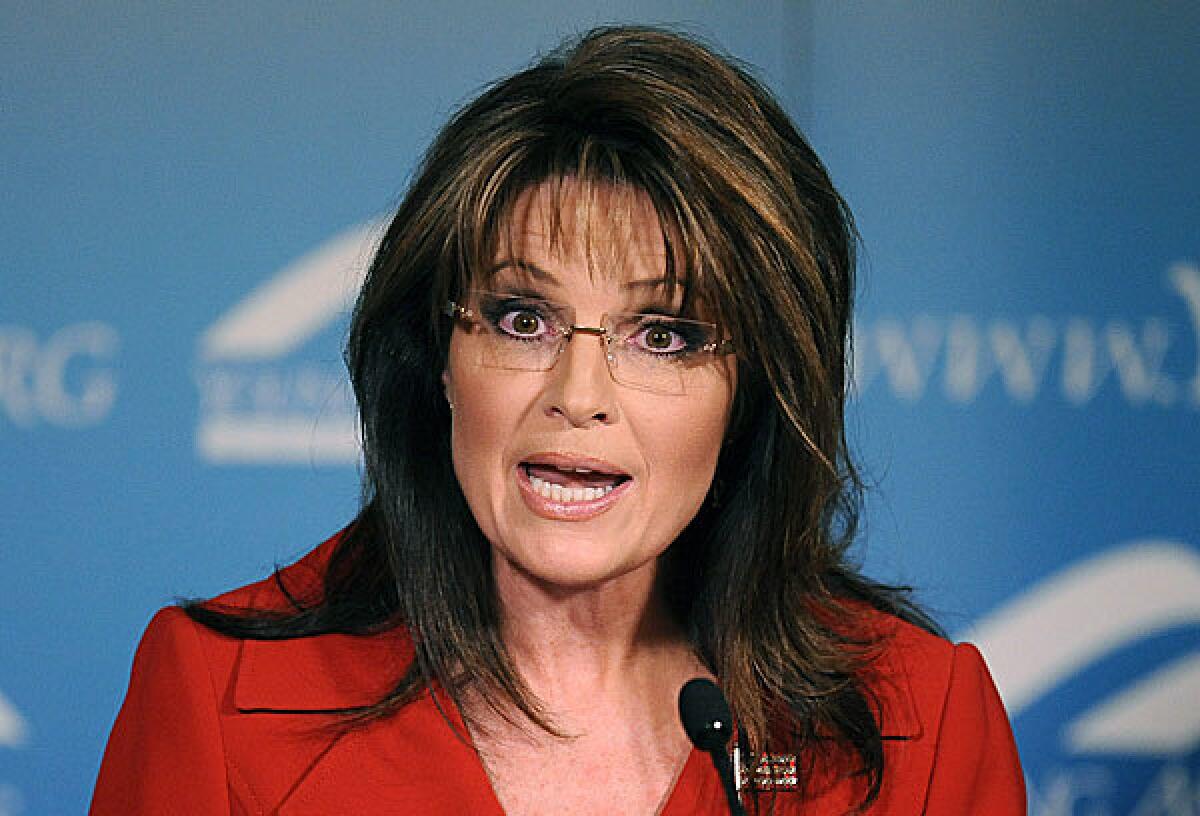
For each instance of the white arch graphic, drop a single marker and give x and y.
(1158, 715)
(296, 302)
(1069, 620)
(13, 730)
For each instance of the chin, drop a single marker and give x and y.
(566, 570)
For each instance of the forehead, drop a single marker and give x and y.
(559, 227)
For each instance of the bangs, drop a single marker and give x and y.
(592, 204)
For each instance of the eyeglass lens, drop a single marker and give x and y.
(650, 352)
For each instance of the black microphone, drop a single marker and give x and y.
(709, 725)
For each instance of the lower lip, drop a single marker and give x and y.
(568, 511)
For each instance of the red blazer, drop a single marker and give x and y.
(216, 725)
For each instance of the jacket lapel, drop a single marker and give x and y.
(299, 761)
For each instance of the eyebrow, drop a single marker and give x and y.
(542, 276)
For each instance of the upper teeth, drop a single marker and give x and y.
(559, 493)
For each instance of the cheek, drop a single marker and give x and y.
(486, 416)
(475, 423)
(474, 433)
(683, 441)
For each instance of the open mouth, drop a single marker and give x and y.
(568, 484)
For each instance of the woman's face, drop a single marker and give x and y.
(634, 466)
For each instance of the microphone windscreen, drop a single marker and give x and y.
(705, 715)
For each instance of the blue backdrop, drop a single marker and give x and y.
(190, 191)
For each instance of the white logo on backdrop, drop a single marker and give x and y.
(13, 730)
(257, 405)
(1060, 626)
(63, 380)
(957, 355)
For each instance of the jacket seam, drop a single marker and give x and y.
(234, 775)
(940, 719)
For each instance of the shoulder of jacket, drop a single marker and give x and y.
(900, 639)
(301, 674)
(302, 580)
(909, 674)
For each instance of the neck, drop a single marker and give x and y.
(591, 642)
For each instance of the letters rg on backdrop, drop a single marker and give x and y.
(65, 379)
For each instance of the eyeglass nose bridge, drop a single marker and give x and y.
(601, 331)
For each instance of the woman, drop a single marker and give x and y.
(600, 360)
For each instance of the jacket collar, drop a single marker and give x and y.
(890, 680)
(331, 672)
(323, 673)
(314, 674)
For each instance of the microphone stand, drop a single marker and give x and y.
(725, 770)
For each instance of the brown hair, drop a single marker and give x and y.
(756, 232)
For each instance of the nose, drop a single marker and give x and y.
(580, 389)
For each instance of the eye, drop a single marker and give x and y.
(660, 339)
(522, 323)
(516, 318)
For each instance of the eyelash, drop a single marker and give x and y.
(689, 344)
(498, 314)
